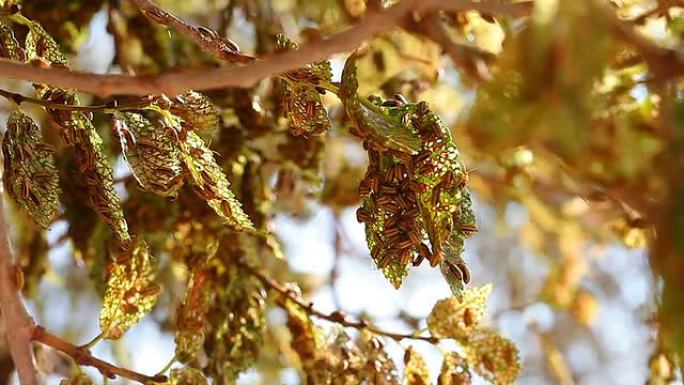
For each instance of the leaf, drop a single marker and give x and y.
(454, 370)
(415, 369)
(238, 317)
(493, 357)
(370, 120)
(190, 317)
(306, 338)
(454, 318)
(187, 376)
(151, 153)
(131, 290)
(77, 377)
(197, 111)
(211, 182)
(41, 46)
(30, 175)
(380, 370)
(77, 129)
(9, 46)
(303, 105)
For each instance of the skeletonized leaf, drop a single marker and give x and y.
(306, 338)
(454, 318)
(77, 129)
(153, 155)
(303, 105)
(239, 320)
(372, 121)
(9, 46)
(77, 378)
(187, 376)
(493, 357)
(131, 291)
(41, 46)
(192, 313)
(380, 370)
(196, 110)
(454, 370)
(30, 175)
(415, 369)
(211, 182)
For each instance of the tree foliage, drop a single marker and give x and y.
(570, 110)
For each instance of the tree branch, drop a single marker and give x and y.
(208, 40)
(18, 323)
(82, 356)
(173, 83)
(336, 316)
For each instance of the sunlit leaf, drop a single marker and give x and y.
(197, 111)
(187, 376)
(493, 357)
(372, 121)
(30, 175)
(9, 46)
(41, 46)
(131, 290)
(151, 153)
(415, 368)
(380, 369)
(211, 182)
(454, 370)
(190, 317)
(456, 318)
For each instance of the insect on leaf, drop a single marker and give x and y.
(212, 183)
(239, 320)
(381, 369)
(191, 314)
(372, 121)
(152, 154)
(30, 175)
(454, 318)
(493, 357)
(9, 46)
(303, 105)
(131, 291)
(197, 111)
(415, 369)
(454, 371)
(187, 376)
(41, 46)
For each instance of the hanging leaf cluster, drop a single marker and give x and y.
(415, 202)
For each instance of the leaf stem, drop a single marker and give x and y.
(108, 108)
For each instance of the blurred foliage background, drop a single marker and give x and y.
(571, 131)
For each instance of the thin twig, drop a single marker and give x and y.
(110, 107)
(83, 357)
(208, 40)
(336, 316)
(18, 322)
(173, 83)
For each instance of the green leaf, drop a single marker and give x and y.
(197, 111)
(370, 120)
(303, 105)
(151, 153)
(131, 290)
(9, 46)
(187, 376)
(211, 182)
(30, 175)
(41, 46)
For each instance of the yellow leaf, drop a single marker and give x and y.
(456, 319)
(131, 290)
(415, 369)
(493, 357)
